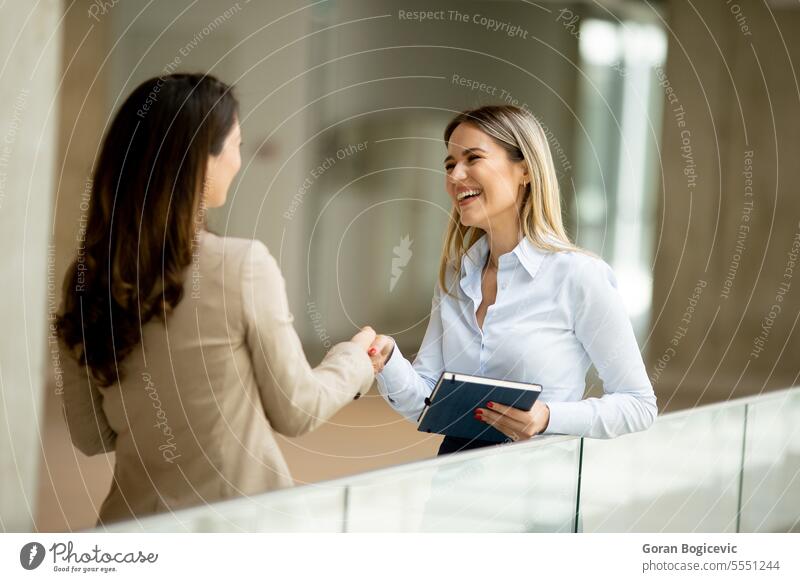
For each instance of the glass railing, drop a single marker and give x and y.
(728, 467)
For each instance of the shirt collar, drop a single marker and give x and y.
(475, 257)
(526, 253)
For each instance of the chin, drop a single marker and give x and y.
(215, 202)
(469, 219)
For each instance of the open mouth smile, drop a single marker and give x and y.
(467, 196)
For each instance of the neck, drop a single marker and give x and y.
(502, 241)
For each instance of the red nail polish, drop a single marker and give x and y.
(371, 351)
(490, 404)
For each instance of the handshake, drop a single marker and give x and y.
(516, 424)
(377, 347)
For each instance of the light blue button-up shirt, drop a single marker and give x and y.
(555, 314)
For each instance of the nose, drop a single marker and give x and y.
(458, 173)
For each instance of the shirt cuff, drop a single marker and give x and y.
(392, 373)
(572, 418)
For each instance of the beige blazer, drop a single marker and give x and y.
(194, 417)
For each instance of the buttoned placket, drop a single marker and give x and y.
(471, 279)
(471, 287)
(471, 284)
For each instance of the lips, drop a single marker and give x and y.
(467, 196)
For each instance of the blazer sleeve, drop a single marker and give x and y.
(82, 406)
(296, 397)
(603, 328)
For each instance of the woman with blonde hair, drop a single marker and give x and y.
(516, 300)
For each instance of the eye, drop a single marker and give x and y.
(449, 167)
(473, 157)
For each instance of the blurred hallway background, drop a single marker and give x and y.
(674, 128)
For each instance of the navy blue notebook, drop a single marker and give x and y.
(450, 408)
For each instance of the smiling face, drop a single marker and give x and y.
(222, 169)
(484, 184)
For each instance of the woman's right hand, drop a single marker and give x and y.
(380, 351)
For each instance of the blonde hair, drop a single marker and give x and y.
(518, 132)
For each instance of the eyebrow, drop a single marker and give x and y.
(465, 152)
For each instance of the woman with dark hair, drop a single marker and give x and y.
(178, 348)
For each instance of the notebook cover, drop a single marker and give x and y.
(452, 410)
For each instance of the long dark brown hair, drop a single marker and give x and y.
(144, 213)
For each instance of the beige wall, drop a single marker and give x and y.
(29, 67)
(739, 94)
(71, 486)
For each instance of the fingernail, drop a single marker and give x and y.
(372, 351)
(490, 404)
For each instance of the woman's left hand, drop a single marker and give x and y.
(516, 424)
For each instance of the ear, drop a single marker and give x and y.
(526, 178)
